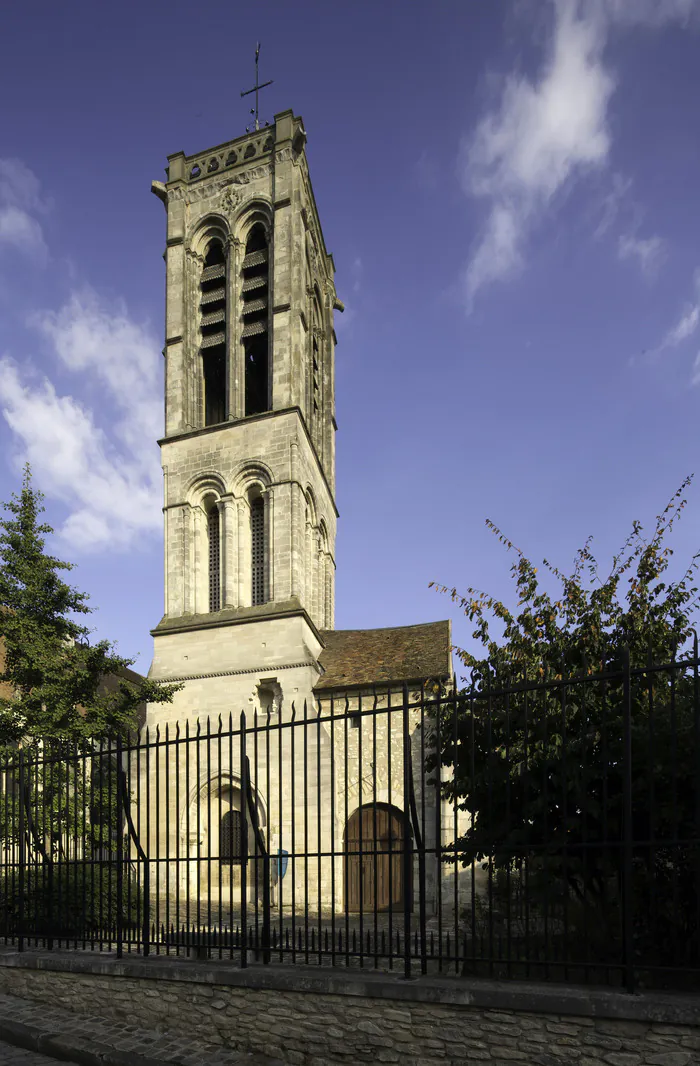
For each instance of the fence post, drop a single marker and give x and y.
(120, 852)
(696, 751)
(244, 843)
(22, 852)
(627, 893)
(407, 856)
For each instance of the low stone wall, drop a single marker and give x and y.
(308, 1017)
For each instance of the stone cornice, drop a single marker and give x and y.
(223, 426)
(234, 616)
(265, 669)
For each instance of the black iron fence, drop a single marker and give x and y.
(547, 827)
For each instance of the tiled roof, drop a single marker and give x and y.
(378, 656)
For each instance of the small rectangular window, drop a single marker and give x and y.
(230, 843)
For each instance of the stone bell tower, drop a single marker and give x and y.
(248, 452)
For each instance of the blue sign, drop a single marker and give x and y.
(282, 859)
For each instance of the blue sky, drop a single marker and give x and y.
(509, 190)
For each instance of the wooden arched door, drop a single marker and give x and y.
(374, 867)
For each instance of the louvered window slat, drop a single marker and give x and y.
(254, 283)
(250, 306)
(212, 296)
(254, 328)
(212, 272)
(213, 340)
(255, 259)
(213, 317)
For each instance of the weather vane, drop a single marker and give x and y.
(256, 89)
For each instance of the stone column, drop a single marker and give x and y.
(236, 368)
(201, 601)
(182, 564)
(308, 568)
(227, 510)
(242, 511)
(327, 620)
(270, 543)
(294, 547)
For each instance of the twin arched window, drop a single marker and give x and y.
(254, 328)
(259, 552)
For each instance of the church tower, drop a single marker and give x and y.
(248, 451)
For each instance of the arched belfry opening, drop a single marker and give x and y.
(213, 307)
(255, 311)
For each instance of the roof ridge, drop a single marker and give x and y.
(382, 629)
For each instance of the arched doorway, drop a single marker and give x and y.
(374, 859)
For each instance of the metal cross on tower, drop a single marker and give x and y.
(256, 88)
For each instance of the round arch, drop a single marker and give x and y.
(211, 227)
(250, 213)
(204, 484)
(249, 475)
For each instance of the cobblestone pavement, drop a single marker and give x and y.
(17, 1056)
(33, 1034)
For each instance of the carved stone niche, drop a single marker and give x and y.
(268, 698)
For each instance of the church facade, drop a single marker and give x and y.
(250, 523)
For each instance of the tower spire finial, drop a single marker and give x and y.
(256, 88)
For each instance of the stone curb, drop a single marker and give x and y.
(64, 1049)
(84, 1052)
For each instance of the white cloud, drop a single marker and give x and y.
(687, 323)
(542, 133)
(695, 380)
(612, 202)
(107, 344)
(649, 252)
(684, 328)
(545, 132)
(20, 202)
(109, 479)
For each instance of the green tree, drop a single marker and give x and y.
(63, 701)
(537, 743)
(54, 677)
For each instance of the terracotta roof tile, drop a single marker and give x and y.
(378, 656)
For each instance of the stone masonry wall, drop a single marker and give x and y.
(308, 1028)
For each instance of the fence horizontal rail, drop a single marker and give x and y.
(548, 828)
